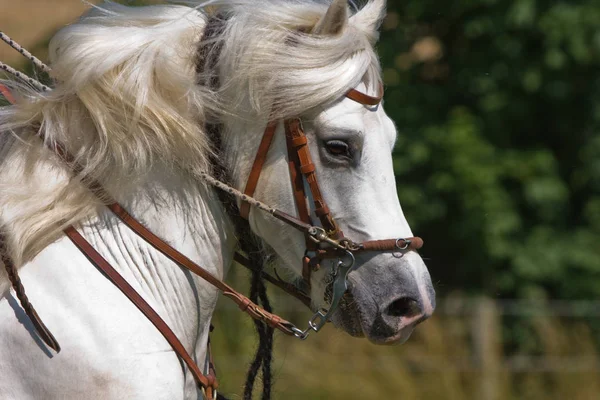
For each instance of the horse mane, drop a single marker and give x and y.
(126, 98)
(277, 68)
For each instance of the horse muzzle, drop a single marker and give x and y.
(387, 297)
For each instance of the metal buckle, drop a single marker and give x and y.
(319, 235)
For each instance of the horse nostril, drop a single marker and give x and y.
(404, 307)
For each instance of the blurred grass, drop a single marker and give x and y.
(458, 354)
(438, 362)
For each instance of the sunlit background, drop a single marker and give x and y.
(497, 104)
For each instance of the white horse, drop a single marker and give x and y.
(131, 102)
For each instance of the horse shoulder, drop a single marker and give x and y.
(109, 350)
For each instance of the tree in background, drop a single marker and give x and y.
(497, 105)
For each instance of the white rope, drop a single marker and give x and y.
(36, 84)
(36, 61)
(231, 190)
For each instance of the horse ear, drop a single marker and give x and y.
(369, 18)
(335, 19)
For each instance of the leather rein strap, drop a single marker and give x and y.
(15, 281)
(178, 258)
(259, 161)
(13, 274)
(207, 382)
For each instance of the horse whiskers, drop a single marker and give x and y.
(25, 78)
(36, 61)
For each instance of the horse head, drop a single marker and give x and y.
(301, 68)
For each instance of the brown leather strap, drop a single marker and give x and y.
(294, 130)
(259, 161)
(281, 284)
(212, 371)
(408, 244)
(204, 381)
(303, 164)
(300, 198)
(296, 175)
(309, 264)
(365, 99)
(242, 301)
(5, 91)
(13, 274)
(290, 220)
(400, 245)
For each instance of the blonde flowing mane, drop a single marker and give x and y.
(126, 98)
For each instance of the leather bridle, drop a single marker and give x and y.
(326, 241)
(336, 245)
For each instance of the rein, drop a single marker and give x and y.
(326, 241)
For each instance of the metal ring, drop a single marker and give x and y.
(300, 334)
(406, 244)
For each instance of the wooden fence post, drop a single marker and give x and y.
(487, 354)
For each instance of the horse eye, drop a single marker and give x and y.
(338, 148)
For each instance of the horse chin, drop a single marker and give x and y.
(352, 323)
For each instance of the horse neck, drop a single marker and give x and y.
(186, 215)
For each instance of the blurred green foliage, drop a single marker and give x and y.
(497, 105)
